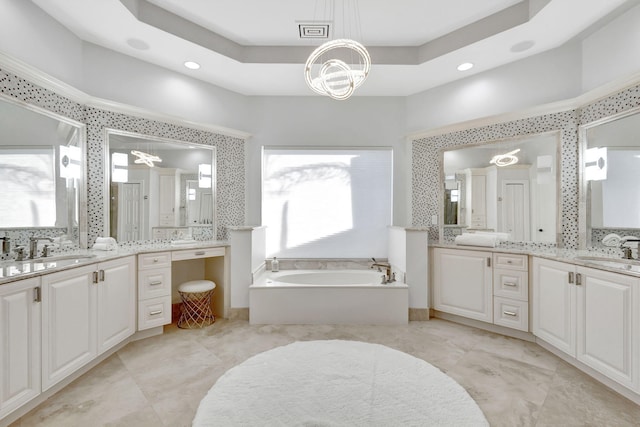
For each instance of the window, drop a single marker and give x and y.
(327, 203)
(28, 187)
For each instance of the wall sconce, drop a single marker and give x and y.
(595, 164)
(544, 169)
(69, 161)
(204, 176)
(119, 167)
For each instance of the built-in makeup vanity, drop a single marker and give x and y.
(64, 314)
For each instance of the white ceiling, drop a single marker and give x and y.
(252, 46)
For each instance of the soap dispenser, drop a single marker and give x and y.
(275, 265)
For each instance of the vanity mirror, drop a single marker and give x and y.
(508, 186)
(159, 188)
(610, 177)
(42, 171)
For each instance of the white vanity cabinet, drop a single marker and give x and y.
(20, 312)
(86, 311)
(511, 291)
(154, 290)
(592, 315)
(116, 302)
(554, 307)
(463, 283)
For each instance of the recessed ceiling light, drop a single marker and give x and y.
(138, 44)
(465, 66)
(192, 65)
(522, 46)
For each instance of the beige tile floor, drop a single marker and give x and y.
(161, 380)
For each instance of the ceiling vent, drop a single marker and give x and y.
(313, 31)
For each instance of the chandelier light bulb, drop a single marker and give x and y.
(506, 159)
(336, 78)
(145, 158)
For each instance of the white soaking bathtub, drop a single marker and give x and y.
(327, 297)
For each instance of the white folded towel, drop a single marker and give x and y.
(477, 239)
(612, 240)
(105, 244)
(502, 237)
(104, 247)
(110, 240)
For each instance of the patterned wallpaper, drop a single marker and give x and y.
(230, 151)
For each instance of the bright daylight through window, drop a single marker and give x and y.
(29, 190)
(327, 203)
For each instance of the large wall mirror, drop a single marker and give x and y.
(508, 186)
(42, 171)
(610, 178)
(159, 189)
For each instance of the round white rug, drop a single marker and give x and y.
(336, 383)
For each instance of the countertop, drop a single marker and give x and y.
(596, 259)
(11, 271)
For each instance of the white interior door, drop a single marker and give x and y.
(515, 209)
(130, 211)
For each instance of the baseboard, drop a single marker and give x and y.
(241, 313)
(513, 333)
(419, 314)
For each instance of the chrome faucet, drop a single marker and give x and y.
(386, 266)
(6, 245)
(627, 253)
(33, 245)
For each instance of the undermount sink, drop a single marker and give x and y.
(618, 263)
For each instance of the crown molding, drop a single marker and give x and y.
(44, 80)
(579, 101)
(117, 107)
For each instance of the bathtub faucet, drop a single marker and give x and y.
(387, 268)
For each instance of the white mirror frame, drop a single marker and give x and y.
(107, 171)
(584, 211)
(441, 199)
(83, 231)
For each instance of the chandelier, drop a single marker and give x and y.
(145, 158)
(337, 68)
(506, 159)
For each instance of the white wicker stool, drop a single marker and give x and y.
(196, 304)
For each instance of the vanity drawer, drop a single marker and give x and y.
(511, 284)
(154, 283)
(154, 312)
(155, 260)
(510, 261)
(511, 313)
(196, 253)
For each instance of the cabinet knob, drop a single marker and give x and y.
(155, 260)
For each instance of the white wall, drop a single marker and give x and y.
(318, 121)
(117, 77)
(612, 52)
(32, 36)
(547, 77)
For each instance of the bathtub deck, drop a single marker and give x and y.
(364, 305)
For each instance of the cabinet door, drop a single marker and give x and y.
(554, 313)
(69, 323)
(608, 324)
(116, 302)
(20, 312)
(462, 283)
